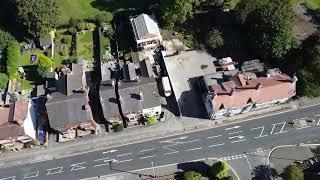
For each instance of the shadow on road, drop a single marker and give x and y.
(264, 172)
(199, 166)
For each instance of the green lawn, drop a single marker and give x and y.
(85, 44)
(25, 57)
(313, 4)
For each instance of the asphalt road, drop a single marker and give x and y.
(227, 142)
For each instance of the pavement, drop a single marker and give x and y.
(243, 141)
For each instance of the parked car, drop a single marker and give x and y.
(166, 86)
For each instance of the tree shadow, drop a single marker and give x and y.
(264, 172)
(199, 166)
(121, 5)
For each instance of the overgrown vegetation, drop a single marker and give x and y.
(152, 120)
(3, 80)
(219, 170)
(13, 57)
(118, 127)
(292, 172)
(192, 175)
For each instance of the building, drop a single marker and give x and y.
(109, 103)
(71, 79)
(150, 99)
(146, 32)
(240, 93)
(45, 42)
(17, 125)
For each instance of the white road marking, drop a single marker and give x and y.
(238, 141)
(55, 172)
(214, 145)
(261, 132)
(234, 127)
(110, 151)
(31, 175)
(144, 150)
(127, 160)
(235, 132)
(248, 162)
(309, 141)
(193, 149)
(303, 127)
(171, 153)
(123, 154)
(145, 157)
(214, 136)
(105, 164)
(282, 131)
(11, 177)
(170, 140)
(190, 141)
(233, 137)
(101, 159)
(315, 140)
(77, 166)
(172, 150)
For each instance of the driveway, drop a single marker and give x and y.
(184, 70)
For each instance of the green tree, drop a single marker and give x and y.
(118, 127)
(44, 63)
(215, 39)
(73, 22)
(227, 178)
(245, 7)
(104, 17)
(13, 57)
(292, 172)
(81, 26)
(271, 29)
(175, 11)
(219, 170)
(3, 80)
(38, 16)
(5, 38)
(192, 175)
(152, 120)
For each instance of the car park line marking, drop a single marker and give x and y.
(238, 141)
(11, 177)
(234, 127)
(55, 172)
(144, 150)
(76, 167)
(126, 154)
(145, 157)
(31, 175)
(127, 160)
(214, 145)
(211, 137)
(235, 132)
(193, 149)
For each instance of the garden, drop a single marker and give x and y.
(84, 44)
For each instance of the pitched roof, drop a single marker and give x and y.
(150, 93)
(129, 97)
(238, 91)
(45, 41)
(146, 68)
(65, 112)
(145, 27)
(129, 71)
(109, 101)
(70, 80)
(20, 111)
(11, 131)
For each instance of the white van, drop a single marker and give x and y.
(166, 86)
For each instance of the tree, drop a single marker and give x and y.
(81, 26)
(73, 22)
(104, 17)
(191, 175)
(13, 56)
(5, 38)
(90, 26)
(152, 120)
(245, 7)
(227, 178)
(38, 16)
(175, 11)
(219, 170)
(3, 80)
(271, 29)
(214, 39)
(293, 172)
(118, 127)
(44, 63)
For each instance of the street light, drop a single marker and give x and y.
(154, 174)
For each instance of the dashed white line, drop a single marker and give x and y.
(170, 153)
(235, 132)
(303, 127)
(102, 164)
(127, 160)
(238, 141)
(101, 159)
(198, 148)
(77, 166)
(214, 145)
(214, 136)
(6, 178)
(145, 157)
(144, 150)
(126, 154)
(190, 141)
(31, 175)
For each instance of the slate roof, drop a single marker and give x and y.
(106, 71)
(145, 27)
(109, 101)
(150, 93)
(71, 82)
(129, 72)
(45, 41)
(7, 128)
(129, 97)
(146, 68)
(66, 112)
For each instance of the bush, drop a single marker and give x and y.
(25, 85)
(214, 39)
(73, 22)
(227, 178)
(293, 172)
(13, 56)
(64, 51)
(118, 127)
(81, 26)
(66, 40)
(219, 170)
(152, 120)
(72, 30)
(127, 56)
(104, 17)
(3, 80)
(90, 26)
(5, 38)
(191, 175)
